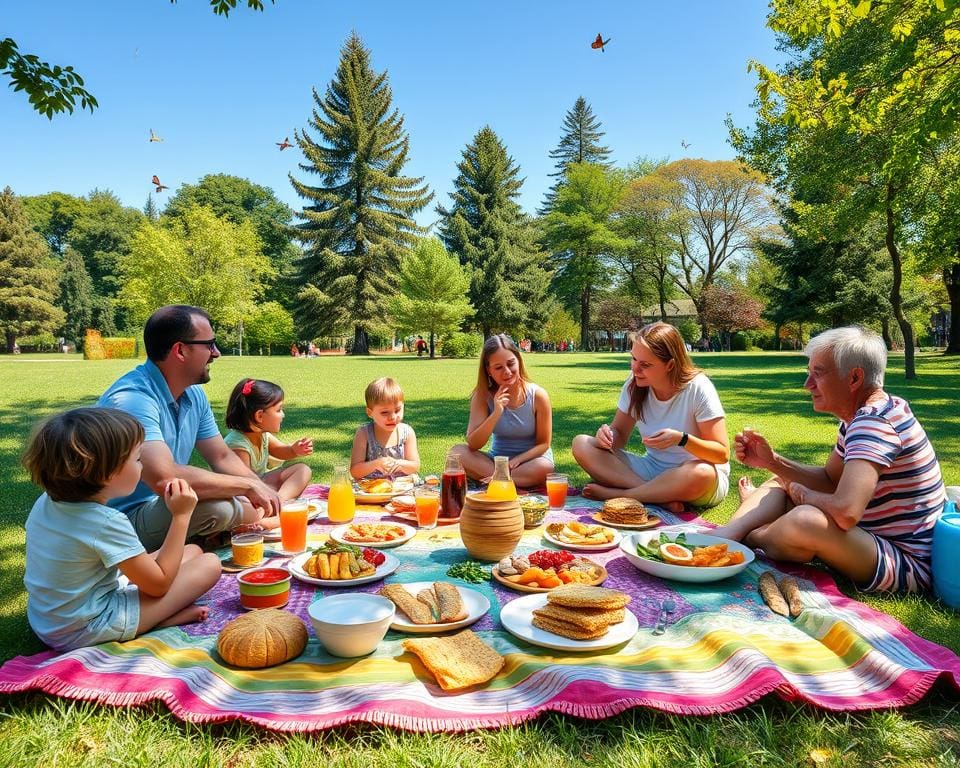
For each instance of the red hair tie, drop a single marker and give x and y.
(247, 387)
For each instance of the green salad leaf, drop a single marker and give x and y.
(469, 570)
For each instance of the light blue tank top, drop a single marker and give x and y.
(516, 431)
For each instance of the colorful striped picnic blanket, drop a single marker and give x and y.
(723, 649)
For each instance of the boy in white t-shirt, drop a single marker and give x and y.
(678, 414)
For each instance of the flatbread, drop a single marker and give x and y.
(458, 661)
(564, 629)
(416, 611)
(582, 596)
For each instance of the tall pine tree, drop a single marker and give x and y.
(76, 297)
(580, 143)
(28, 275)
(361, 216)
(495, 240)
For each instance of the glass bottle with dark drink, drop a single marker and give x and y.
(453, 488)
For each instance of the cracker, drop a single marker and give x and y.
(565, 629)
(457, 661)
(588, 619)
(582, 596)
(450, 602)
(429, 598)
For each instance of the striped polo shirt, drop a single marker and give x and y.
(910, 494)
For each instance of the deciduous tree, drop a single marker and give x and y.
(360, 218)
(269, 324)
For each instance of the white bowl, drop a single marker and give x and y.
(351, 625)
(687, 573)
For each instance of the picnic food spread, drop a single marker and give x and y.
(676, 552)
(262, 639)
(440, 604)
(547, 569)
(364, 533)
(341, 562)
(581, 534)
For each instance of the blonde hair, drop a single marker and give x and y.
(73, 455)
(383, 390)
(491, 345)
(666, 344)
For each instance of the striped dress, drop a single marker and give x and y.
(909, 496)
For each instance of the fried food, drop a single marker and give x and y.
(582, 596)
(571, 631)
(581, 534)
(715, 556)
(418, 612)
(458, 661)
(335, 566)
(429, 598)
(791, 592)
(376, 485)
(450, 602)
(362, 533)
(588, 619)
(771, 594)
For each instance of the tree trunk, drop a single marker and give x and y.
(951, 279)
(610, 340)
(585, 319)
(432, 353)
(885, 332)
(361, 342)
(896, 300)
(776, 337)
(11, 341)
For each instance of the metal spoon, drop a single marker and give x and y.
(667, 607)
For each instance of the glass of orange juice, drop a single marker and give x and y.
(246, 545)
(341, 503)
(428, 507)
(557, 490)
(293, 526)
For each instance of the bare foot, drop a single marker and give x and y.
(677, 507)
(188, 615)
(597, 491)
(745, 486)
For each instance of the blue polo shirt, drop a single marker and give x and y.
(144, 394)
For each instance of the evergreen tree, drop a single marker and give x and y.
(492, 237)
(360, 220)
(150, 209)
(580, 143)
(76, 297)
(28, 275)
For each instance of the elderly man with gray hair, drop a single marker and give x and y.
(869, 512)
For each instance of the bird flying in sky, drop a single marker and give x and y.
(599, 43)
(154, 137)
(684, 144)
(286, 143)
(156, 181)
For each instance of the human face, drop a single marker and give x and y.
(386, 415)
(124, 480)
(827, 387)
(650, 371)
(270, 418)
(504, 368)
(198, 356)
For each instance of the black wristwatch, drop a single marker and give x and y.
(683, 440)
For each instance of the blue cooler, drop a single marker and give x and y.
(946, 556)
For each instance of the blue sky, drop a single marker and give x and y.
(221, 92)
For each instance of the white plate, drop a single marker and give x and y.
(517, 618)
(617, 536)
(475, 603)
(387, 567)
(688, 573)
(338, 534)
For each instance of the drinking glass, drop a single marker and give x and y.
(428, 507)
(246, 545)
(557, 490)
(293, 526)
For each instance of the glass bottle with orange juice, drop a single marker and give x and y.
(501, 487)
(341, 503)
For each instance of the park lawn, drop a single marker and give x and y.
(324, 400)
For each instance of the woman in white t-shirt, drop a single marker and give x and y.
(680, 420)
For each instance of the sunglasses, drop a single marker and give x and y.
(210, 344)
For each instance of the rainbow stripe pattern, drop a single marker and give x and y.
(722, 650)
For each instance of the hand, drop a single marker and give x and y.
(605, 436)
(501, 400)
(752, 449)
(303, 446)
(663, 439)
(263, 496)
(514, 463)
(179, 497)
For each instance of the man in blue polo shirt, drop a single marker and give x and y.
(164, 395)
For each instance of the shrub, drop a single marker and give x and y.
(462, 345)
(95, 347)
(39, 342)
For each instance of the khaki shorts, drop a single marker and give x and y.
(151, 520)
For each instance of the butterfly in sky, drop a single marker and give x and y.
(154, 137)
(684, 144)
(156, 181)
(599, 43)
(286, 143)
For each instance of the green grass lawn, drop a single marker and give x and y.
(324, 399)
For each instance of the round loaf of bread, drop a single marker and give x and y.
(622, 504)
(262, 639)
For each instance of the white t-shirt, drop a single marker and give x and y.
(698, 401)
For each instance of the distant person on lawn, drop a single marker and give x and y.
(164, 395)
(681, 422)
(869, 512)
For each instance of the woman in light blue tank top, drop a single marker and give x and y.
(514, 411)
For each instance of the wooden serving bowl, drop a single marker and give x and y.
(490, 529)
